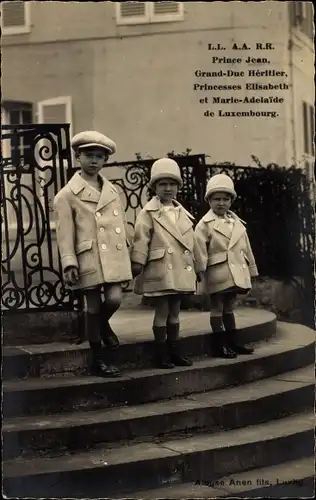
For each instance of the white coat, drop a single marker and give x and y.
(226, 256)
(91, 234)
(167, 251)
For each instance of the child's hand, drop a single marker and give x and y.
(136, 269)
(199, 276)
(71, 275)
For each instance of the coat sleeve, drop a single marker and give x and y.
(201, 246)
(142, 238)
(252, 263)
(65, 231)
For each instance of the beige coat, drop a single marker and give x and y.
(167, 251)
(91, 234)
(227, 257)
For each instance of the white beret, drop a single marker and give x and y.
(91, 138)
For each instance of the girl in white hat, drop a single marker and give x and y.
(228, 261)
(164, 259)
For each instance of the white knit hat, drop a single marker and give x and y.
(165, 168)
(220, 183)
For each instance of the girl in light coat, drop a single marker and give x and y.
(164, 259)
(227, 260)
(92, 242)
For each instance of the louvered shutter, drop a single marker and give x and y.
(132, 9)
(165, 11)
(161, 8)
(13, 14)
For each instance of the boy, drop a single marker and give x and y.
(92, 242)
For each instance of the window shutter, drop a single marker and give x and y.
(161, 8)
(133, 9)
(59, 111)
(13, 14)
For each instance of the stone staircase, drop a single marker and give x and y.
(219, 428)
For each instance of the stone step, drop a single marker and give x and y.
(229, 408)
(292, 349)
(136, 351)
(103, 472)
(293, 479)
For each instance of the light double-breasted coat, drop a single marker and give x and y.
(167, 251)
(226, 254)
(91, 232)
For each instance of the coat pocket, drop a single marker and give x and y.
(85, 257)
(218, 258)
(155, 267)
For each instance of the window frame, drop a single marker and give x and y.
(18, 30)
(55, 101)
(150, 17)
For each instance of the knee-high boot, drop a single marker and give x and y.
(162, 355)
(109, 338)
(98, 366)
(222, 348)
(173, 346)
(230, 327)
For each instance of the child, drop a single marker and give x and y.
(91, 237)
(228, 261)
(163, 259)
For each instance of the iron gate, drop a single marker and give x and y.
(36, 163)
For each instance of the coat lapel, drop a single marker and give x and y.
(221, 227)
(108, 194)
(238, 231)
(79, 186)
(183, 224)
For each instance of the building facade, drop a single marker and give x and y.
(133, 70)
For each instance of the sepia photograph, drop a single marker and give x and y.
(158, 249)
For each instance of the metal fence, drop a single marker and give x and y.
(37, 162)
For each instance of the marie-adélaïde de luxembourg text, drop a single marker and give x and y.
(241, 85)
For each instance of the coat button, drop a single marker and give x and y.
(118, 230)
(103, 246)
(186, 252)
(115, 212)
(98, 214)
(170, 250)
(119, 246)
(102, 229)
(169, 266)
(189, 268)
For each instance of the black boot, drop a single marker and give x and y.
(230, 326)
(98, 366)
(173, 346)
(222, 349)
(108, 337)
(162, 355)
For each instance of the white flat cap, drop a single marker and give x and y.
(91, 138)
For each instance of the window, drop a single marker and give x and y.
(308, 129)
(302, 17)
(15, 17)
(51, 111)
(16, 113)
(148, 12)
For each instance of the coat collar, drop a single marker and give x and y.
(238, 229)
(87, 193)
(184, 222)
(155, 204)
